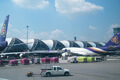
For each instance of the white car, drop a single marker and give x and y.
(54, 70)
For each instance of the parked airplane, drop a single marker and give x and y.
(3, 42)
(112, 45)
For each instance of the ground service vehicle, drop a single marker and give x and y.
(54, 70)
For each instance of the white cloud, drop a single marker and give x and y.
(21, 34)
(115, 26)
(1, 25)
(43, 35)
(32, 35)
(9, 25)
(13, 32)
(16, 30)
(92, 28)
(75, 6)
(58, 34)
(32, 4)
(110, 31)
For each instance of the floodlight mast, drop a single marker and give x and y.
(27, 36)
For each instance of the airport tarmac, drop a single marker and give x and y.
(106, 70)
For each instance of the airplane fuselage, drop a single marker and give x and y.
(89, 50)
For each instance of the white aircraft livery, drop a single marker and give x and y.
(111, 45)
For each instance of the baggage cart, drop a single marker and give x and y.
(24, 61)
(45, 60)
(13, 62)
(54, 60)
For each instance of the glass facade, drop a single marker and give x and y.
(57, 45)
(99, 44)
(39, 45)
(116, 30)
(16, 45)
(73, 44)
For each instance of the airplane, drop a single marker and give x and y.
(3, 34)
(111, 46)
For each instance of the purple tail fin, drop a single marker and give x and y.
(4, 29)
(114, 41)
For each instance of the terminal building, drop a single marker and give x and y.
(117, 29)
(46, 45)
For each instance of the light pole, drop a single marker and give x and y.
(27, 35)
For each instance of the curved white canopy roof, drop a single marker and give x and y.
(103, 44)
(81, 44)
(49, 43)
(65, 43)
(30, 42)
(8, 40)
(92, 43)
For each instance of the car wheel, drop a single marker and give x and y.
(66, 74)
(48, 74)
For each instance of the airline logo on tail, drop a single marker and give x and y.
(4, 29)
(115, 40)
(3, 33)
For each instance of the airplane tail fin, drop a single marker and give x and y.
(4, 29)
(114, 41)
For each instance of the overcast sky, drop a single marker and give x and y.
(88, 20)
